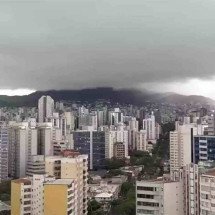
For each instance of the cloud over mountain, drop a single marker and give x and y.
(92, 43)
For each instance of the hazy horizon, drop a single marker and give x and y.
(23, 92)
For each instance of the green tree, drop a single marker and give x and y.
(114, 163)
(126, 206)
(113, 172)
(125, 188)
(93, 206)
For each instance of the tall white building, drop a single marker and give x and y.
(181, 146)
(211, 125)
(88, 120)
(187, 120)
(101, 117)
(117, 134)
(115, 117)
(191, 189)
(141, 142)
(149, 127)
(22, 144)
(133, 124)
(110, 140)
(46, 135)
(70, 120)
(45, 108)
(159, 197)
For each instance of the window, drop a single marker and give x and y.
(145, 196)
(146, 188)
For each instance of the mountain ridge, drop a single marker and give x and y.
(124, 96)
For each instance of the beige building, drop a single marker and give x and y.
(114, 135)
(45, 108)
(36, 165)
(141, 143)
(181, 146)
(71, 165)
(119, 150)
(207, 193)
(42, 195)
(159, 197)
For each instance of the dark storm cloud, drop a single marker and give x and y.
(119, 43)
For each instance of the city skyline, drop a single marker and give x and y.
(107, 107)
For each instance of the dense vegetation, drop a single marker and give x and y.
(114, 163)
(94, 208)
(125, 205)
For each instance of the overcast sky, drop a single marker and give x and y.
(164, 45)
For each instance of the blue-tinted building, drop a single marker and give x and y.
(98, 138)
(91, 143)
(203, 148)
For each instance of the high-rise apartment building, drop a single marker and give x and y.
(36, 165)
(60, 197)
(114, 136)
(133, 128)
(101, 118)
(191, 189)
(88, 120)
(45, 108)
(133, 124)
(211, 125)
(92, 143)
(70, 121)
(159, 197)
(181, 146)
(115, 117)
(119, 150)
(46, 136)
(4, 143)
(203, 148)
(207, 193)
(149, 127)
(71, 165)
(22, 144)
(45, 195)
(141, 143)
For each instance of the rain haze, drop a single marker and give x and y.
(165, 46)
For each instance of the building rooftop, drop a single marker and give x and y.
(210, 172)
(104, 195)
(61, 181)
(70, 153)
(103, 187)
(159, 180)
(22, 180)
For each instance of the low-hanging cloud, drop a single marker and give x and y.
(121, 43)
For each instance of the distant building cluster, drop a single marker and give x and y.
(50, 149)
